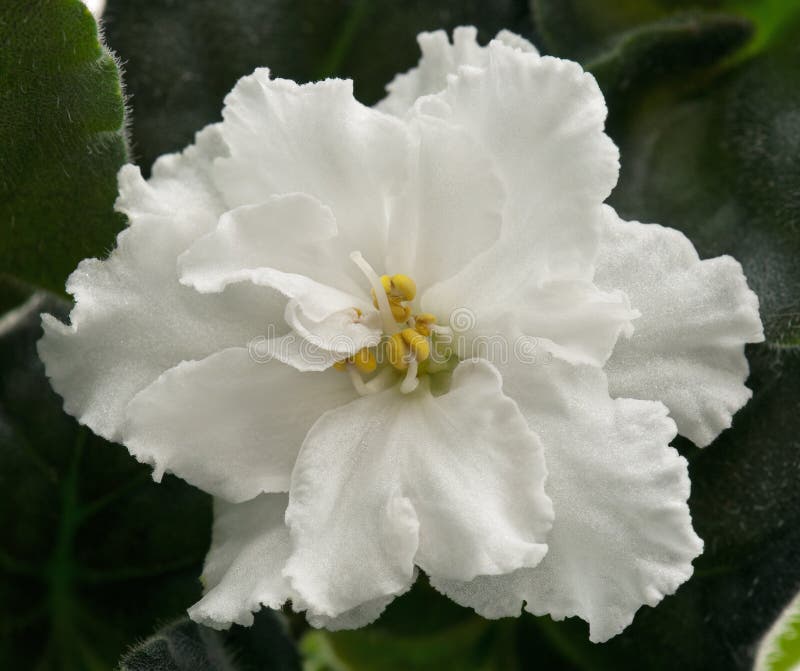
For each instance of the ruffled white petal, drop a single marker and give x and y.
(392, 479)
(622, 535)
(358, 617)
(243, 570)
(451, 209)
(499, 312)
(244, 567)
(230, 424)
(439, 59)
(688, 347)
(132, 319)
(314, 139)
(541, 119)
(290, 243)
(353, 531)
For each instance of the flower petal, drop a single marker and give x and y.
(392, 478)
(354, 533)
(132, 319)
(230, 424)
(439, 59)
(451, 210)
(288, 242)
(342, 332)
(315, 139)
(541, 120)
(507, 314)
(357, 617)
(622, 535)
(475, 477)
(244, 567)
(688, 347)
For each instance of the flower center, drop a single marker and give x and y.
(409, 344)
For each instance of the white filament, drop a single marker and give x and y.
(389, 325)
(410, 381)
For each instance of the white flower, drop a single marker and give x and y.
(477, 187)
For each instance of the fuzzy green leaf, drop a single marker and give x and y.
(61, 133)
(92, 552)
(187, 646)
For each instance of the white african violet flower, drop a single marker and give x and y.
(477, 184)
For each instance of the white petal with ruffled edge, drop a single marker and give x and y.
(357, 617)
(439, 59)
(244, 568)
(542, 121)
(229, 424)
(497, 308)
(393, 479)
(314, 139)
(132, 319)
(290, 243)
(622, 535)
(688, 347)
(451, 209)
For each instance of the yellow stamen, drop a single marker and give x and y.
(397, 351)
(341, 365)
(400, 312)
(417, 343)
(423, 322)
(403, 286)
(365, 361)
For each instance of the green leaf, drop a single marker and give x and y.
(424, 631)
(583, 29)
(187, 646)
(774, 19)
(780, 648)
(61, 130)
(720, 164)
(180, 64)
(92, 551)
(628, 45)
(669, 46)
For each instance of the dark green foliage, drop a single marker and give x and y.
(93, 553)
(62, 140)
(186, 646)
(180, 64)
(718, 160)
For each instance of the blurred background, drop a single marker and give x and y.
(97, 561)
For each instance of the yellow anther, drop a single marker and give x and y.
(365, 360)
(417, 343)
(397, 287)
(403, 286)
(341, 365)
(396, 351)
(400, 312)
(422, 323)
